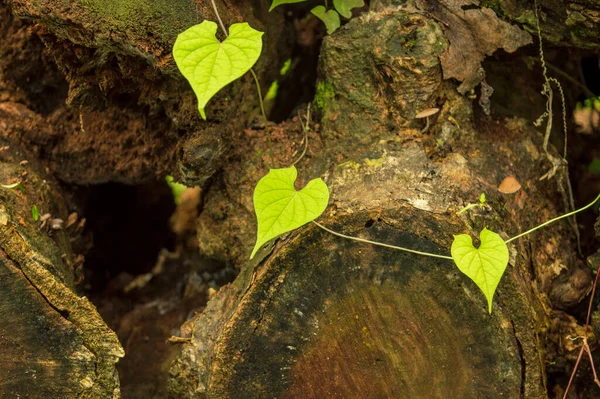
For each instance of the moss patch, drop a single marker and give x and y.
(324, 93)
(168, 17)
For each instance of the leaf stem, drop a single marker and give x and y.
(219, 18)
(412, 251)
(566, 215)
(305, 129)
(258, 89)
(260, 98)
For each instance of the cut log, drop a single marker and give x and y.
(320, 316)
(53, 343)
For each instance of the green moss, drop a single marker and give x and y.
(375, 163)
(527, 18)
(494, 5)
(350, 165)
(164, 17)
(579, 31)
(323, 94)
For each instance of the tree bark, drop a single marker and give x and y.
(319, 316)
(313, 315)
(53, 343)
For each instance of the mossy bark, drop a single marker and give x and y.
(313, 315)
(52, 341)
(316, 315)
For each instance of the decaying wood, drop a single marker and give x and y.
(319, 316)
(53, 343)
(314, 315)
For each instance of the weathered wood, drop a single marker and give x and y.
(132, 117)
(319, 316)
(314, 315)
(53, 343)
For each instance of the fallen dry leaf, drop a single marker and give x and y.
(473, 34)
(509, 185)
(587, 120)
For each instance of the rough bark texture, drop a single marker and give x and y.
(313, 315)
(321, 316)
(53, 343)
(128, 103)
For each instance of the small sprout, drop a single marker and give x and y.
(11, 186)
(482, 200)
(469, 206)
(35, 213)
(509, 185)
(426, 113)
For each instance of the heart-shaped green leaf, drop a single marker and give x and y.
(484, 265)
(276, 3)
(210, 65)
(280, 208)
(330, 18)
(344, 7)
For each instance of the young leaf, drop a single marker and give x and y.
(35, 214)
(484, 265)
(482, 199)
(330, 18)
(210, 65)
(177, 189)
(276, 3)
(280, 208)
(14, 185)
(344, 7)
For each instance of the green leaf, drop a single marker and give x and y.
(330, 18)
(594, 166)
(344, 7)
(280, 208)
(285, 67)
(176, 188)
(272, 92)
(210, 65)
(276, 3)
(35, 213)
(484, 265)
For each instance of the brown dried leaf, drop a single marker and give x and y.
(587, 120)
(509, 185)
(473, 34)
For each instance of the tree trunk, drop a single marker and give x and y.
(319, 316)
(313, 315)
(53, 343)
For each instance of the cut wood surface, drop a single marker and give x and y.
(320, 316)
(90, 94)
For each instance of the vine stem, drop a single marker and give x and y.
(412, 251)
(305, 129)
(585, 347)
(449, 257)
(219, 18)
(554, 220)
(258, 89)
